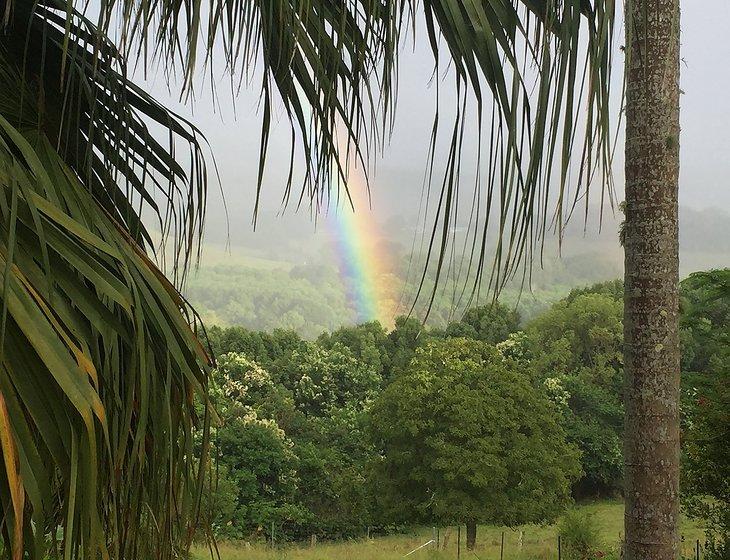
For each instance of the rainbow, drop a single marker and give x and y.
(363, 262)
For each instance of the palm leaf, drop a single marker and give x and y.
(541, 63)
(104, 442)
(99, 372)
(534, 75)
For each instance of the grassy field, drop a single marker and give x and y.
(538, 543)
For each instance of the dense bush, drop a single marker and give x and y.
(579, 536)
(574, 350)
(291, 448)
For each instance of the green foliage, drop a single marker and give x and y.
(272, 350)
(473, 440)
(705, 324)
(582, 332)
(255, 457)
(293, 445)
(705, 306)
(612, 288)
(407, 335)
(334, 452)
(489, 323)
(579, 536)
(323, 380)
(297, 442)
(368, 342)
(220, 502)
(101, 368)
(261, 465)
(575, 352)
(270, 299)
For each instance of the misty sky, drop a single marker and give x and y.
(233, 128)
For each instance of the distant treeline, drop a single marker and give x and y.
(305, 292)
(312, 298)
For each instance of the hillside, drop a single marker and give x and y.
(268, 281)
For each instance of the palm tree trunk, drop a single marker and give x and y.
(471, 534)
(651, 280)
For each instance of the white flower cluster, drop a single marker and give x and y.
(241, 376)
(233, 388)
(514, 346)
(251, 418)
(308, 391)
(556, 392)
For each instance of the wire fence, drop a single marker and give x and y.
(689, 550)
(515, 548)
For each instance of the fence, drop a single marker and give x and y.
(500, 546)
(694, 553)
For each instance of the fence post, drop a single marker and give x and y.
(433, 537)
(697, 549)
(501, 548)
(458, 542)
(560, 552)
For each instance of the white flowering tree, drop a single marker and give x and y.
(257, 476)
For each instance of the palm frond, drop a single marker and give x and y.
(104, 441)
(75, 88)
(330, 64)
(534, 75)
(538, 74)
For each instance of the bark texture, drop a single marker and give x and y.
(471, 535)
(651, 280)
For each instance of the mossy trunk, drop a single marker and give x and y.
(471, 534)
(651, 280)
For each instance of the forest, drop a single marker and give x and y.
(365, 430)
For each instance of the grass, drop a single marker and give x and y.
(217, 254)
(538, 542)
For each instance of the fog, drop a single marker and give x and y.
(231, 124)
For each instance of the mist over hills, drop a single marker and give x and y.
(289, 274)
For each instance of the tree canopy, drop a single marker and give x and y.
(314, 465)
(474, 441)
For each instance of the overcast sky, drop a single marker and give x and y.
(233, 128)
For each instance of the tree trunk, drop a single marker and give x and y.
(651, 301)
(471, 534)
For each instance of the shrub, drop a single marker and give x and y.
(717, 547)
(579, 536)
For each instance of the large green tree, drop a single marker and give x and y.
(465, 438)
(524, 69)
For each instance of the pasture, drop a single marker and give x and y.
(538, 542)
